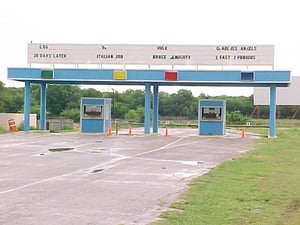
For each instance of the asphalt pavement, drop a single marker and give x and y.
(95, 179)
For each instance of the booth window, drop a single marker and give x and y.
(211, 113)
(91, 111)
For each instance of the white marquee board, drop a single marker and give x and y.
(285, 95)
(151, 54)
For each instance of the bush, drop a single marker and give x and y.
(131, 115)
(236, 117)
(2, 130)
(73, 114)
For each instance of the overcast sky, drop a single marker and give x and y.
(151, 22)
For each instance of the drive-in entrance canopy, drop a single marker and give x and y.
(110, 67)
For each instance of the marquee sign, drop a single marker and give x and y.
(151, 54)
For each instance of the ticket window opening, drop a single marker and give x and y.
(211, 113)
(91, 111)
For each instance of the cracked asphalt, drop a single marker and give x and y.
(101, 179)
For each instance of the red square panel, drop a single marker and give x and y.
(170, 75)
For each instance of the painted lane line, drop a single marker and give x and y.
(103, 165)
(160, 148)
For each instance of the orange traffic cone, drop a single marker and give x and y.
(109, 133)
(243, 133)
(130, 131)
(166, 132)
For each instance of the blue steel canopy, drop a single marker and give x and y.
(148, 78)
(140, 77)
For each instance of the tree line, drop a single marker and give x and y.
(64, 101)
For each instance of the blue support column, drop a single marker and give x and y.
(155, 108)
(147, 108)
(272, 128)
(27, 98)
(43, 106)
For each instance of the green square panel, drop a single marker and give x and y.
(47, 74)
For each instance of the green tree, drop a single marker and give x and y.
(182, 102)
(133, 98)
(64, 100)
(132, 115)
(73, 114)
(239, 103)
(3, 97)
(235, 117)
(165, 105)
(62, 97)
(140, 111)
(91, 92)
(14, 99)
(120, 109)
(35, 99)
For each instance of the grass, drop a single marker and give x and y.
(262, 187)
(2, 130)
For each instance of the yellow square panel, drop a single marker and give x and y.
(119, 75)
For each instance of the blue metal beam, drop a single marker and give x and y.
(27, 102)
(272, 116)
(147, 108)
(43, 106)
(140, 77)
(155, 108)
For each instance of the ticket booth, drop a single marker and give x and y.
(212, 117)
(95, 114)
